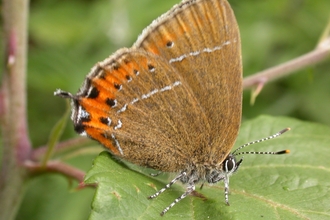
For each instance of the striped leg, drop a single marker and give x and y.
(226, 182)
(190, 188)
(168, 185)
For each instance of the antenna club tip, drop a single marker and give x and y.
(284, 130)
(283, 152)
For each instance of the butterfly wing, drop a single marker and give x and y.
(200, 39)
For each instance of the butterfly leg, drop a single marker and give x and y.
(168, 185)
(190, 189)
(226, 182)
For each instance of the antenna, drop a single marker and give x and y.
(262, 140)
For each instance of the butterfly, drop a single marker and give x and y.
(173, 101)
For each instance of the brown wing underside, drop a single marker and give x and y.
(208, 29)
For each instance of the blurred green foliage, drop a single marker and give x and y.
(66, 38)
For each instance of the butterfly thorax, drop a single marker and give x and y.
(211, 173)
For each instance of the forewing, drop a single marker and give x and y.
(200, 39)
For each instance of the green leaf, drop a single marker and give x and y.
(55, 135)
(291, 186)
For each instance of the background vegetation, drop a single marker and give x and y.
(66, 38)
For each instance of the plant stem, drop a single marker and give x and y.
(321, 52)
(56, 167)
(16, 144)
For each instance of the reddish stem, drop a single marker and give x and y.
(56, 167)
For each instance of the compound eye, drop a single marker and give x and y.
(230, 164)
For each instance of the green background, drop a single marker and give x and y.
(66, 38)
